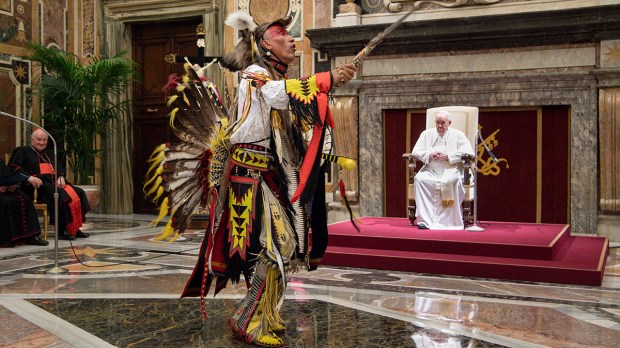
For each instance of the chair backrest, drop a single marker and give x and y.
(464, 118)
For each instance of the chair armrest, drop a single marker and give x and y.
(467, 158)
(467, 168)
(411, 164)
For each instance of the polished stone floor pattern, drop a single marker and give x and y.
(120, 288)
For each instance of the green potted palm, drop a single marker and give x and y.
(79, 101)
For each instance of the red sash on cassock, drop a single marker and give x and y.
(46, 168)
(75, 207)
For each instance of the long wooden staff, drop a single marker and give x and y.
(377, 39)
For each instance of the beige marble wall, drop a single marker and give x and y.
(508, 59)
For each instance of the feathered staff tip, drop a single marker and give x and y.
(379, 38)
(241, 20)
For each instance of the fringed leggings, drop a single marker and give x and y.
(258, 313)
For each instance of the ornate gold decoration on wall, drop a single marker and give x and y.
(268, 10)
(397, 5)
(6, 6)
(170, 58)
(88, 28)
(21, 71)
(610, 54)
(488, 166)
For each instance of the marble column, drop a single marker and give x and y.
(214, 40)
(344, 111)
(609, 145)
(116, 172)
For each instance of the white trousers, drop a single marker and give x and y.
(429, 207)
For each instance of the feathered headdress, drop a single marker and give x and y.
(247, 51)
(242, 54)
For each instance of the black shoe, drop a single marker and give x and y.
(65, 236)
(36, 240)
(81, 234)
(422, 226)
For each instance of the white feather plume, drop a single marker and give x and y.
(241, 20)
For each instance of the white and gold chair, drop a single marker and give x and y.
(465, 119)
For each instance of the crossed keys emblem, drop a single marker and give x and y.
(486, 166)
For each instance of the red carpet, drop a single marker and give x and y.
(514, 251)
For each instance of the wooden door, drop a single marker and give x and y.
(151, 43)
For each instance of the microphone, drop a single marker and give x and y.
(487, 148)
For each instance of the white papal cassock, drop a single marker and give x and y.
(439, 190)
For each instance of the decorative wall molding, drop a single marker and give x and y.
(269, 10)
(557, 27)
(141, 10)
(397, 5)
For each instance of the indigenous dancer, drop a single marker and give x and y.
(263, 168)
(264, 234)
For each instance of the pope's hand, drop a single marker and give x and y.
(438, 156)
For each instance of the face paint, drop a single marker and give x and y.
(274, 31)
(279, 43)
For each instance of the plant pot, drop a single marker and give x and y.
(92, 194)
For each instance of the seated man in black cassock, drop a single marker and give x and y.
(18, 218)
(35, 162)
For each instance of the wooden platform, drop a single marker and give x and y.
(512, 251)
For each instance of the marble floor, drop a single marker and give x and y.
(120, 288)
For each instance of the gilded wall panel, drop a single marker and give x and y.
(6, 6)
(346, 144)
(88, 28)
(610, 54)
(7, 104)
(269, 10)
(15, 99)
(609, 144)
(15, 22)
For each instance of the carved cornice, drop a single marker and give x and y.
(572, 26)
(155, 9)
(397, 5)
